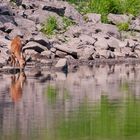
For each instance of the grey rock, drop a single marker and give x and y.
(86, 53)
(53, 49)
(87, 40)
(135, 24)
(46, 53)
(113, 42)
(61, 64)
(26, 24)
(5, 10)
(42, 39)
(110, 54)
(92, 17)
(101, 43)
(60, 54)
(35, 46)
(72, 13)
(7, 18)
(17, 31)
(30, 52)
(8, 27)
(108, 29)
(118, 18)
(66, 49)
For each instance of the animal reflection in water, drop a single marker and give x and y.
(17, 83)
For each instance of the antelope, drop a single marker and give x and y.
(16, 53)
(16, 87)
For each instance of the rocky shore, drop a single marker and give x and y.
(87, 40)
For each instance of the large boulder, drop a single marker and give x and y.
(108, 29)
(92, 17)
(62, 64)
(86, 52)
(35, 46)
(118, 18)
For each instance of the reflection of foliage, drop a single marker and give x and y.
(106, 120)
(125, 87)
(51, 94)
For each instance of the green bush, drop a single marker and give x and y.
(50, 26)
(123, 26)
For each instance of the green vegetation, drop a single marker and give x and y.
(104, 7)
(67, 22)
(123, 26)
(50, 26)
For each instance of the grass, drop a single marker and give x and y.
(123, 26)
(50, 26)
(67, 22)
(104, 7)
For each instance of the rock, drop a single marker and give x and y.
(26, 24)
(53, 49)
(110, 54)
(102, 53)
(61, 64)
(60, 54)
(119, 54)
(66, 49)
(87, 40)
(60, 11)
(29, 4)
(5, 10)
(135, 24)
(118, 18)
(8, 27)
(113, 43)
(35, 46)
(64, 9)
(7, 18)
(92, 17)
(101, 43)
(43, 40)
(73, 14)
(4, 41)
(30, 52)
(86, 53)
(108, 29)
(17, 31)
(46, 53)
(40, 17)
(131, 43)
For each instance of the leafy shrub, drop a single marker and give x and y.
(50, 26)
(123, 26)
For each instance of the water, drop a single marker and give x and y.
(98, 103)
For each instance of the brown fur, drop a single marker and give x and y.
(17, 86)
(16, 52)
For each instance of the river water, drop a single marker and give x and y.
(92, 103)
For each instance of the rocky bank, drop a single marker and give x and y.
(87, 40)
